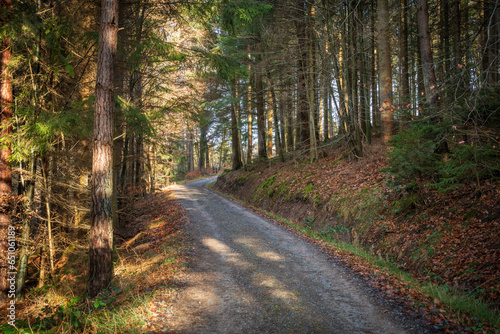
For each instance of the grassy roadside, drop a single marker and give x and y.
(148, 265)
(446, 308)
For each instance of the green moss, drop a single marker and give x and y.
(363, 206)
(268, 186)
(245, 176)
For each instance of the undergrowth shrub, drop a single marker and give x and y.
(413, 158)
(414, 161)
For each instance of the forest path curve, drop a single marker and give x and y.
(249, 275)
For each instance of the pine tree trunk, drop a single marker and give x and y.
(373, 75)
(269, 112)
(430, 84)
(303, 111)
(249, 118)
(404, 95)
(289, 122)
(281, 111)
(261, 120)
(47, 178)
(123, 172)
(6, 99)
(203, 144)
(385, 74)
(279, 148)
(101, 228)
(26, 230)
(235, 138)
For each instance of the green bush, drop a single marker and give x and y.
(414, 160)
(468, 162)
(413, 156)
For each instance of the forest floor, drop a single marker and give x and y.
(437, 251)
(150, 259)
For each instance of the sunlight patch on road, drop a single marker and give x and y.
(277, 291)
(270, 256)
(229, 255)
(216, 246)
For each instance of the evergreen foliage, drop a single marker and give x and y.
(414, 161)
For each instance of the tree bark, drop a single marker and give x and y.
(101, 228)
(430, 84)
(203, 146)
(261, 120)
(269, 112)
(385, 74)
(26, 230)
(249, 118)
(289, 119)
(6, 99)
(279, 148)
(404, 95)
(373, 75)
(235, 139)
(303, 111)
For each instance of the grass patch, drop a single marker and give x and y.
(361, 206)
(463, 304)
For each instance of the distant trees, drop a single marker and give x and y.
(333, 74)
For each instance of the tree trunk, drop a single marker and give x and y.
(384, 52)
(431, 90)
(373, 75)
(123, 173)
(6, 98)
(289, 117)
(303, 111)
(457, 38)
(47, 180)
(235, 138)
(404, 94)
(281, 111)
(279, 148)
(203, 145)
(326, 80)
(249, 118)
(491, 35)
(261, 118)
(269, 112)
(101, 228)
(117, 159)
(139, 164)
(26, 229)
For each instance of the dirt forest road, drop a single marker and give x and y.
(250, 275)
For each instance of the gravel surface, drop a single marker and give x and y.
(250, 275)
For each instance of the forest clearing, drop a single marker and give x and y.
(354, 143)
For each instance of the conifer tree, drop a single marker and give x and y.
(101, 230)
(6, 99)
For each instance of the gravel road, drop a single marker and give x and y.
(250, 275)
